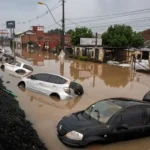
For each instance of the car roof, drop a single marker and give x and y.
(127, 102)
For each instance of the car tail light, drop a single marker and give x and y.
(67, 90)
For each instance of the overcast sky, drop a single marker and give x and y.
(23, 10)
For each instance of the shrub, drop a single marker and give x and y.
(83, 58)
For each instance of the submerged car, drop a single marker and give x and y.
(51, 85)
(17, 68)
(108, 120)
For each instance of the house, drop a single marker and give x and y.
(89, 48)
(37, 39)
(121, 54)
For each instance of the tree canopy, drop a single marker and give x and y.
(78, 33)
(122, 36)
(70, 31)
(55, 31)
(59, 31)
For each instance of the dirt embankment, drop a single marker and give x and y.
(16, 133)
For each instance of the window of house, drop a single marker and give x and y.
(92, 54)
(78, 51)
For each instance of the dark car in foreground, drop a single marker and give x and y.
(110, 120)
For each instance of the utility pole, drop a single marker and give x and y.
(63, 24)
(96, 36)
(13, 38)
(96, 40)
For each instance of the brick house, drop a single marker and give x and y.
(37, 39)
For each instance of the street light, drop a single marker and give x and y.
(63, 20)
(41, 3)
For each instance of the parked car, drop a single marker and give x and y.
(108, 120)
(17, 68)
(51, 84)
(6, 57)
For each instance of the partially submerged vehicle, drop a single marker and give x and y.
(110, 120)
(52, 85)
(142, 65)
(17, 68)
(53, 101)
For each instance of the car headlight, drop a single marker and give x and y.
(73, 135)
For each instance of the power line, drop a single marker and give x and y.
(55, 5)
(73, 22)
(116, 14)
(40, 16)
(119, 22)
(52, 25)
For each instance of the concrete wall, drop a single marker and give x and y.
(79, 51)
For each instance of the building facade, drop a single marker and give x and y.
(90, 47)
(36, 39)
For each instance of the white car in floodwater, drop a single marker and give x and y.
(51, 85)
(17, 68)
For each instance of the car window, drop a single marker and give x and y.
(42, 77)
(18, 64)
(148, 114)
(57, 80)
(117, 121)
(20, 71)
(13, 63)
(103, 111)
(132, 117)
(28, 67)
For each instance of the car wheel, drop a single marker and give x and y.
(55, 97)
(3, 68)
(78, 92)
(22, 86)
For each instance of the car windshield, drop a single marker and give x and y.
(102, 111)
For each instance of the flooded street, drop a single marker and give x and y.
(98, 80)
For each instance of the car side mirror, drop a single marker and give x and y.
(123, 127)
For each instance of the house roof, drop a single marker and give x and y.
(145, 49)
(132, 49)
(25, 32)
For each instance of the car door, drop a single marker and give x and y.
(147, 121)
(53, 83)
(38, 82)
(56, 83)
(132, 123)
(116, 134)
(42, 83)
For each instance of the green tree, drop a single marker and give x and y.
(137, 40)
(55, 31)
(80, 33)
(122, 36)
(70, 31)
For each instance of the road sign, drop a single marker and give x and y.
(10, 24)
(90, 42)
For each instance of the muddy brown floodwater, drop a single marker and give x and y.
(99, 81)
